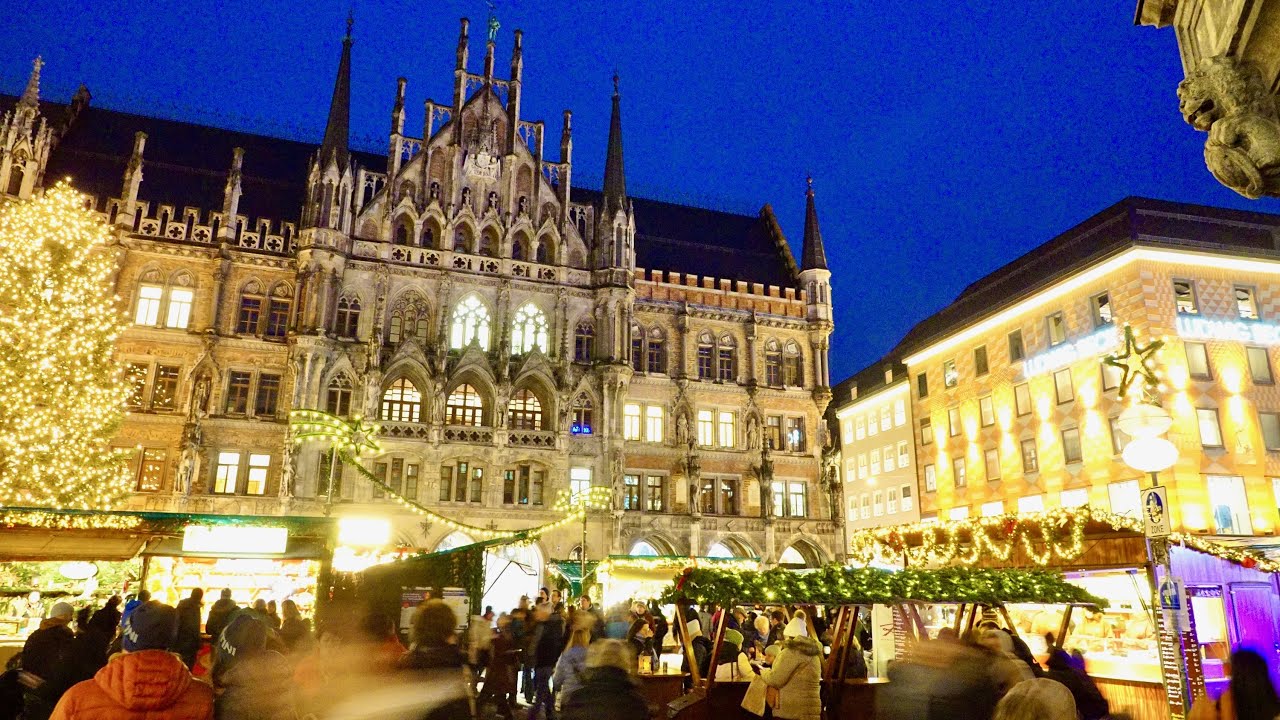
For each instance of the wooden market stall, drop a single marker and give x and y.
(849, 593)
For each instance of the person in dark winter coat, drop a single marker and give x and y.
(111, 614)
(44, 659)
(1089, 701)
(251, 682)
(607, 689)
(548, 642)
(295, 630)
(500, 676)
(187, 640)
(435, 659)
(220, 614)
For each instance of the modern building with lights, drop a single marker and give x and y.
(515, 336)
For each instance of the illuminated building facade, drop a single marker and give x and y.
(1015, 412)
(515, 336)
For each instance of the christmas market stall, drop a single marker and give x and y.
(1216, 596)
(849, 595)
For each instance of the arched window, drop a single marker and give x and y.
(582, 416)
(409, 319)
(792, 366)
(525, 411)
(338, 398)
(528, 330)
(428, 237)
(401, 402)
(347, 321)
(772, 363)
(464, 407)
(488, 243)
(517, 248)
(706, 357)
(637, 347)
(278, 308)
(462, 239)
(656, 355)
(545, 248)
(249, 319)
(643, 548)
(584, 342)
(403, 233)
(726, 360)
(470, 323)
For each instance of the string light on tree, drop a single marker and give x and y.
(62, 394)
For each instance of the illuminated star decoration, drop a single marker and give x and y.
(594, 498)
(1137, 363)
(354, 436)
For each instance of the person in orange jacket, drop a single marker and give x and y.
(145, 682)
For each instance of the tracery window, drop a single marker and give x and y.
(656, 355)
(409, 319)
(772, 363)
(347, 321)
(401, 402)
(584, 342)
(278, 309)
(726, 360)
(582, 416)
(251, 302)
(706, 357)
(464, 407)
(338, 398)
(528, 330)
(470, 323)
(792, 366)
(525, 411)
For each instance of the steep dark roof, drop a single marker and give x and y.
(337, 130)
(1130, 222)
(615, 177)
(708, 243)
(813, 253)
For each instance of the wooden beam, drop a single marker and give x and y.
(688, 645)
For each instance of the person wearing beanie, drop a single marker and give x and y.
(797, 673)
(220, 614)
(145, 681)
(47, 651)
(732, 665)
(134, 602)
(251, 681)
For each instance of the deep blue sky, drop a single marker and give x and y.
(945, 139)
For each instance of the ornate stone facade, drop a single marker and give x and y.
(494, 319)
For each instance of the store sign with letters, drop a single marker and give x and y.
(1060, 356)
(1250, 332)
(234, 540)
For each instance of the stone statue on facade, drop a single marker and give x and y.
(200, 396)
(1229, 100)
(766, 483)
(753, 432)
(190, 459)
(682, 430)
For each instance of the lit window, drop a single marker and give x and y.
(772, 363)
(179, 315)
(958, 513)
(1210, 430)
(1230, 505)
(904, 454)
(148, 311)
(1124, 496)
(795, 435)
(859, 428)
(258, 466)
(891, 501)
(862, 466)
(873, 424)
(135, 375)
(950, 376)
(792, 366)
(726, 360)
(1259, 365)
(1184, 295)
(877, 502)
(797, 500)
(953, 422)
(238, 393)
(926, 432)
(773, 431)
(528, 330)
(164, 391)
(226, 472)
(1246, 304)
(630, 492)
(866, 506)
(728, 431)
(888, 456)
(986, 411)
(151, 470)
(464, 407)
(930, 478)
(1057, 329)
(1111, 376)
(346, 322)
(980, 367)
(338, 398)
(1077, 497)
(1022, 399)
(958, 472)
(992, 458)
(1102, 310)
(579, 480)
(653, 423)
(631, 421)
(875, 463)
(728, 496)
(706, 428)
(886, 422)
(582, 417)
(907, 501)
(584, 342)
(1062, 385)
(1031, 504)
(655, 497)
(470, 323)
(899, 412)
(401, 402)
(1030, 460)
(268, 396)
(525, 411)
(1270, 423)
(1071, 451)
(1016, 351)
(993, 508)
(1197, 360)
(847, 434)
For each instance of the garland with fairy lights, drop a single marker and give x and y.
(352, 437)
(62, 521)
(843, 585)
(1056, 534)
(61, 390)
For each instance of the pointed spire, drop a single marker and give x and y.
(31, 96)
(814, 256)
(615, 181)
(337, 130)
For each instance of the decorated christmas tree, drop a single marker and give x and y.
(61, 392)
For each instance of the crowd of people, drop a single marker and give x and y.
(144, 660)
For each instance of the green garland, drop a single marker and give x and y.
(841, 585)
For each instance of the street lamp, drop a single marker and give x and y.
(594, 497)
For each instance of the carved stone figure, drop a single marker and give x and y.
(1229, 100)
(753, 432)
(766, 484)
(682, 429)
(200, 396)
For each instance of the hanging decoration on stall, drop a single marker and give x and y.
(52, 520)
(1043, 538)
(843, 585)
(351, 438)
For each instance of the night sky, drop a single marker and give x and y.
(944, 139)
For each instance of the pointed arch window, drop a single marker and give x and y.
(15, 177)
(583, 416)
(525, 411)
(470, 323)
(488, 244)
(409, 319)
(403, 233)
(584, 342)
(401, 402)
(773, 363)
(518, 251)
(656, 351)
(637, 348)
(726, 360)
(347, 320)
(528, 330)
(792, 365)
(543, 253)
(706, 357)
(338, 398)
(464, 407)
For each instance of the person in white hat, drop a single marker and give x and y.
(797, 673)
(44, 658)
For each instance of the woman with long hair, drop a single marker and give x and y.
(568, 673)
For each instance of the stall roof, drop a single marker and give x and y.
(20, 544)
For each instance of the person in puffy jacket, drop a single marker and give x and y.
(797, 673)
(145, 682)
(607, 689)
(251, 682)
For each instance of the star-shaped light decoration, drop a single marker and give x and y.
(1137, 362)
(353, 436)
(596, 497)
